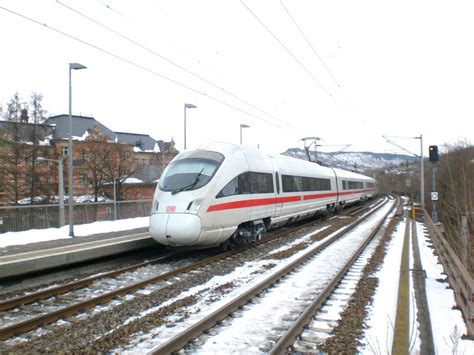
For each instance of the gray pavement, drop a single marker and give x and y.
(17, 260)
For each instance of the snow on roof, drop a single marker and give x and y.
(132, 180)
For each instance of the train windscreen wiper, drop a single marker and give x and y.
(191, 185)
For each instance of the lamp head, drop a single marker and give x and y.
(76, 66)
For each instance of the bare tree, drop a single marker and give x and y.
(119, 167)
(14, 109)
(13, 152)
(92, 168)
(455, 186)
(20, 146)
(35, 135)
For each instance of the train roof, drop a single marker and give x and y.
(352, 175)
(297, 166)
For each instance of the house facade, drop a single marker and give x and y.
(101, 157)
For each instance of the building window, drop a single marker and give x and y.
(83, 181)
(64, 150)
(28, 180)
(144, 162)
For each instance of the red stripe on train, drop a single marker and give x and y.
(252, 203)
(276, 200)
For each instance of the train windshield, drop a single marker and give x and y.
(190, 171)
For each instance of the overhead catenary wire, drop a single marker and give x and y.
(387, 138)
(309, 43)
(287, 49)
(171, 62)
(139, 66)
(315, 52)
(114, 10)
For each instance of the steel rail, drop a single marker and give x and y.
(180, 340)
(61, 289)
(304, 319)
(32, 323)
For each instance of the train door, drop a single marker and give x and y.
(278, 187)
(336, 186)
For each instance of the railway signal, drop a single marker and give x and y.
(433, 149)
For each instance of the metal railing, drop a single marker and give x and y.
(459, 278)
(22, 218)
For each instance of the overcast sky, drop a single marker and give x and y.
(345, 71)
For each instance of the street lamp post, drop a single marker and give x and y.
(115, 202)
(422, 173)
(72, 66)
(185, 107)
(242, 125)
(60, 187)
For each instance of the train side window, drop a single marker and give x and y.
(239, 185)
(246, 183)
(292, 183)
(316, 184)
(287, 182)
(261, 183)
(229, 190)
(354, 185)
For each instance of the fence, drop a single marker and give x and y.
(458, 275)
(22, 218)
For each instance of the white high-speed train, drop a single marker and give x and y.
(225, 194)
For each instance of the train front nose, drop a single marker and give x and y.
(177, 229)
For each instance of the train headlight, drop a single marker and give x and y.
(194, 206)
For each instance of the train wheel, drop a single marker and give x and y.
(260, 232)
(329, 211)
(227, 245)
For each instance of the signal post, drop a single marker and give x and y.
(433, 156)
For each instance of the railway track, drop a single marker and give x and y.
(65, 312)
(313, 313)
(62, 289)
(26, 325)
(288, 336)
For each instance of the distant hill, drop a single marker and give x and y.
(356, 161)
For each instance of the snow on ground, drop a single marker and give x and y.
(81, 230)
(378, 337)
(448, 325)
